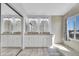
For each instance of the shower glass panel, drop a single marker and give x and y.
(11, 31)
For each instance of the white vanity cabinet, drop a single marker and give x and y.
(37, 40)
(11, 40)
(28, 41)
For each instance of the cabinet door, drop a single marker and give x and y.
(16, 40)
(4, 40)
(11, 41)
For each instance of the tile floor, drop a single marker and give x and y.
(57, 50)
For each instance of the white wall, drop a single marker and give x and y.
(73, 43)
(56, 28)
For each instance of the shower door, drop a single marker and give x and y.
(11, 31)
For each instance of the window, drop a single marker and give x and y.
(73, 27)
(70, 27)
(77, 27)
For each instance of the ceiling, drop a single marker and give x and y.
(44, 8)
(5, 10)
